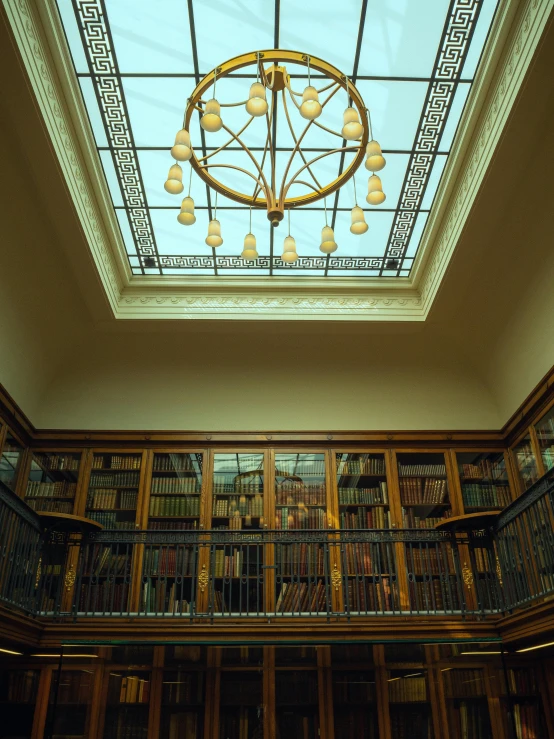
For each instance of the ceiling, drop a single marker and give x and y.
(137, 62)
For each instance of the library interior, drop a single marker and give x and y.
(247, 491)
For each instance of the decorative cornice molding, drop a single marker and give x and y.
(514, 37)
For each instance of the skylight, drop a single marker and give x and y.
(138, 61)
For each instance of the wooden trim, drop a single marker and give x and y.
(41, 705)
(270, 717)
(535, 446)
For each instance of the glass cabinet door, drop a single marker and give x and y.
(409, 704)
(127, 704)
(52, 482)
(362, 490)
(18, 695)
(300, 491)
(175, 491)
(545, 436)
(483, 480)
(238, 491)
(10, 461)
(113, 489)
(467, 704)
(525, 462)
(355, 705)
(424, 494)
(72, 714)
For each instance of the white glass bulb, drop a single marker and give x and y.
(256, 104)
(375, 194)
(289, 250)
(328, 244)
(310, 108)
(359, 226)
(352, 128)
(211, 120)
(249, 252)
(174, 182)
(375, 161)
(214, 233)
(181, 150)
(186, 216)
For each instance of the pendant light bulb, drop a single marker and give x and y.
(310, 108)
(289, 250)
(211, 120)
(182, 150)
(375, 161)
(186, 217)
(358, 226)
(375, 194)
(328, 244)
(249, 251)
(214, 233)
(256, 104)
(174, 182)
(352, 128)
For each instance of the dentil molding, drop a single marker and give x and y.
(515, 34)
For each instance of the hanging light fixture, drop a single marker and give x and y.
(213, 238)
(272, 79)
(249, 251)
(358, 225)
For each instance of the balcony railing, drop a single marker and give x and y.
(275, 575)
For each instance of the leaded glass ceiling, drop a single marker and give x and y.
(138, 61)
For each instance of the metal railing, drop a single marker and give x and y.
(279, 574)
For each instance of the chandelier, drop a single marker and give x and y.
(277, 184)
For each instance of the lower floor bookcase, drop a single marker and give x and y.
(343, 691)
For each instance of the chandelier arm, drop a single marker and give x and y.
(297, 146)
(252, 157)
(315, 159)
(268, 144)
(329, 130)
(292, 93)
(227, 143)
(231, 166)
(322, 89)
(294, 138)
(307, 184)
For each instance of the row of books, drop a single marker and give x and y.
(422, 470)
(228, 565)
(107, 562)
(359, 559)
(545, 429)
(527, 721)
(176, 485)
(50, 506)
(168, 561)
(464, 683)
(548, 457)
(407, 689)
(483, 560)
(157, 597)
(106, 499)
(422, 491)
(116, 479)
(486, 469)
(299, 468)
(116, 462)
(299, 559)
(434, 595)
(360, 688)
(371, 466)
(253, 506)
(367, 596)
(22, 686)
(411, 521)
(132, 689)
(75, 688)
(472, 720)
(411, 724)
(294, 493)
(105, 597)
(174, 506)
(110, 520)
(57, 461)
(238, 487)
(173, 525)
(313, 518)
(370, 496)
(522, 681)
(484, 495)
(59, 489)
(375, 518)
(295, 597)
(430, 560)
(183, 725)
(175, 462)
(126, 724)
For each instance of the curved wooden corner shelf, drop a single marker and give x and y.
(468, 522)
(69, 522)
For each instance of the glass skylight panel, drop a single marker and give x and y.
(138, 62)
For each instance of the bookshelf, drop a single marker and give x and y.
(175, 491)
(113, 489)
(467, 704)
(18, 695)
(409, 704)
(127, 703)
(545, 437)
(182, 704)
(52, 481)
(10, 461)
(354, 704)
(73, 711)
(483, 480)
(238, 491)
(424, 490)
(362, 491)
(524, 699)
(297, 704)
(241, 705)
(526, 462)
